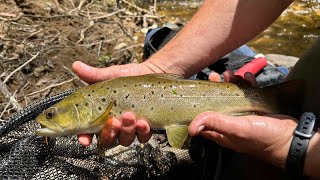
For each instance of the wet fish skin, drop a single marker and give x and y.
(167, 101)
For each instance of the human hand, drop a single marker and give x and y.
(266, 137)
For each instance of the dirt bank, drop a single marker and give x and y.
(39, 41)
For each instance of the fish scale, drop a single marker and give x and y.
(166, 101)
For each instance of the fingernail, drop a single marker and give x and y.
(127, 122)
(200, 128)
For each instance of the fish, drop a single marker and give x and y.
(168, 102)
(29, 112)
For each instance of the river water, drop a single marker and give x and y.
(291, 34)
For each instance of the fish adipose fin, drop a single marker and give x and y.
(103, 117)
(177, 134)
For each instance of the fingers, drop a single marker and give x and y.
(109, 133)
(212, 121)
(214, 77)
(128, 129)
(92, 74)
(229, 76)
(85, 139)
(249, 77)
(125, 130)
(143, 131)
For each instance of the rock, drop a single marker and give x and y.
(282, 60)
(120, 46)
(171, 25)
(144, 30)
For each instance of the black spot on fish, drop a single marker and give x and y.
(89, 95)
(103, 99)
(194, 106)
(115, 104)
(108, 88)
(151, 109)
(86, 104)
(181, 95)
(120, 112)
(203, 95)
(152, 92)
(132, 105)
(159, 82)
(114, 91)
(92, 91)
(164, 87)
(99, 108)
(124, 85)
(172, 108)
(152, 85)
(227, 87)
(221, 93)
(237, 94)
(135, 85)
(110, 113)
(144, 96)
(161, 95)
(127, 96)
(171, 86)
(77, 105)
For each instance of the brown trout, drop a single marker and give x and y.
(168, 101)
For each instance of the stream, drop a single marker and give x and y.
(291, 34)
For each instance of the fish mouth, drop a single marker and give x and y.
(46, 132)
(49, 129)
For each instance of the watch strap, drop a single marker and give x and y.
(297, 152)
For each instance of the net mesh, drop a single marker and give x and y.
(25, 155)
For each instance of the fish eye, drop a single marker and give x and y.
(50, 113)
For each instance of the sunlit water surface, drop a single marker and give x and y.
(291, 34)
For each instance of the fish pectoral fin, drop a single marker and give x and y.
(176, 135)
(103, 117)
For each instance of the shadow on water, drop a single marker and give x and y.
(292, 33)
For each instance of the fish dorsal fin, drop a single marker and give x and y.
(103, 117)
(177, 134)
(165, 76)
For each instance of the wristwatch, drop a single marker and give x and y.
(299, 145)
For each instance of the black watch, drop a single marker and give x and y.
(297, 152)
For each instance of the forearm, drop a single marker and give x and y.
(312, 161)
(217, 28)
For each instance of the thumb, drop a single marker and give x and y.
(91, 74)
(222, 124)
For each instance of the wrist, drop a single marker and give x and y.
(312, 161)
(161, 62)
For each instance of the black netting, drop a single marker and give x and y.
(25, 155)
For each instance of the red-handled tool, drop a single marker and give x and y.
(253, 67)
